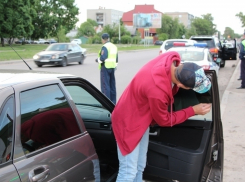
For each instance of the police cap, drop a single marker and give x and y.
(105, 36)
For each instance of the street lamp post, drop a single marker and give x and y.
(119, 31)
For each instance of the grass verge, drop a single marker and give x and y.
(29, 50)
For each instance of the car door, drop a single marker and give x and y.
(191, 151)
(77, 52)
(95, 109)
(71, 54)
(229, 53)
(51, 143)
(7, 168)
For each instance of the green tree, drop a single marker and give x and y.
(204, 25)
(86, 28)
(171, 28)
(92, 22)
(52, 15)
(229, 33)
(212, 26)
(182, 31)
(16, 19)
(191, 31)
(61, 35)
(242, 18)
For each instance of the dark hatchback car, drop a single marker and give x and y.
(57, 127)
(60, 54)
(216, 48)
(158, 42)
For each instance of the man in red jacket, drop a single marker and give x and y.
(146, 100)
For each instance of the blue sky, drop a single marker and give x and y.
(223, 12)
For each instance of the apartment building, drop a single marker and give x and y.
(183, 17)
(104, 16)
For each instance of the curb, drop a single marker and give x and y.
(226, 93)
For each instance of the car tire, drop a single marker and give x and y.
(82, 59)
(64, 62)
(222, 64)
(39, 65)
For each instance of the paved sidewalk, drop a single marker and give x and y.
(233, 119)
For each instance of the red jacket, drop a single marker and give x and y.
(145, 101)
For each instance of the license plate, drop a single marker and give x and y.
(44, 60)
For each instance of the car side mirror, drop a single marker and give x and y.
(69, 50)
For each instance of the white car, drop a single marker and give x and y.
(199, 55)
(40, 41)
(167, 44)
(76, 41)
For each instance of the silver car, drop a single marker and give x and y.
(199, 55)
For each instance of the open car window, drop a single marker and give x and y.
(186, 98)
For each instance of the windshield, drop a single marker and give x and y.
(191, 55)
(57, 47)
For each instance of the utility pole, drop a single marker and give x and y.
(119, 31)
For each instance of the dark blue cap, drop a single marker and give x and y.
(105, 36)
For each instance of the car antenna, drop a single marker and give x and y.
(20, 57)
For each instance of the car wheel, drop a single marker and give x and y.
(82, 59)
(222, 64)
(64, 62)
(39, 65)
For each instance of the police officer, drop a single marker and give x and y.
(242, 58)
(108, 59)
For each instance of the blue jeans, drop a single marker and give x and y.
(131, 166)
(108, 83)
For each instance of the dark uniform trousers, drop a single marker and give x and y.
(108, 82)
(243, 72)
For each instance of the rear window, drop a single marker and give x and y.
(210, 42)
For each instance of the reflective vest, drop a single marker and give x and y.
(110, 62)
(243, 43)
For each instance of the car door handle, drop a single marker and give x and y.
(154, 133)
(39, 173)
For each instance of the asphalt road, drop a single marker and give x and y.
(129, 63)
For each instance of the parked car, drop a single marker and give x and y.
(57, 127)
(158, 42)
(40, 41)
(60, 54)
(76, 41)
(20, 41)
(216, 48)
(167, 44)
(50, 41)
(228, 45)
(199, 54)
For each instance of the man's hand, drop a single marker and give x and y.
(202, 109)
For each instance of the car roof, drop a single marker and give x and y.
(10, 77)
(188, 40)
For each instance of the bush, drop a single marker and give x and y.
(96, 39)
(126, 39)
(115, 40)
(90, 40)
(136, 40)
